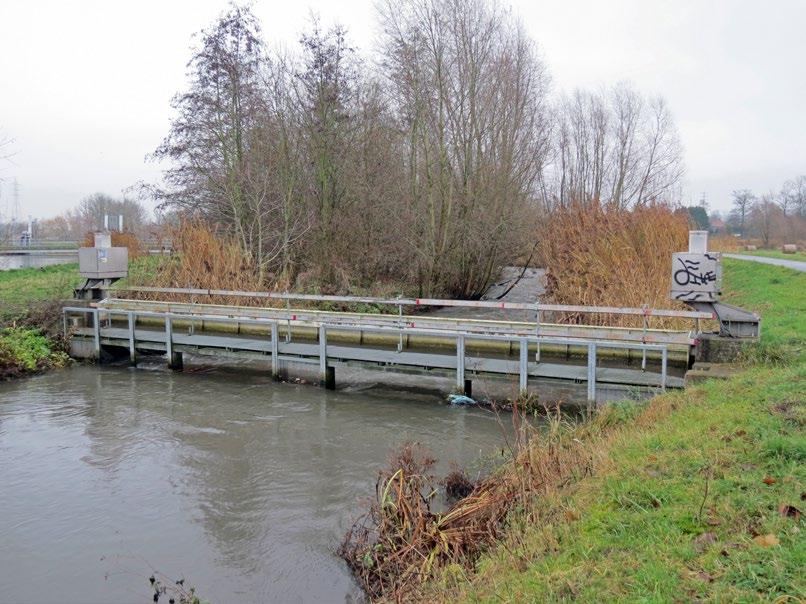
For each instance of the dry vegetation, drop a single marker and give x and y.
(203, 258)
(428, 164)
(403, 541)
(603, 255)
(119, 239)
(693, 496)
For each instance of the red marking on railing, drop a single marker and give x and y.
(293, 317)
(417, 301)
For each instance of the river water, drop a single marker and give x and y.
(36, 259)
(240, 485)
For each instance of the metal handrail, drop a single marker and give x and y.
(436, 302)
(362, 319)
(524, 340)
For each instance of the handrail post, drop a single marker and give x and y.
(275, 350)
(64, 323)
(537, 329)
(132, 356)
(460, 362)
(96, 332)
(664, 362)
(323, 354)
(523, 366)
(288, 320)
(591, 375)
(400, 340)
(643, 339)
(169, 345)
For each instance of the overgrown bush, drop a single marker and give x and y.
(205, 259)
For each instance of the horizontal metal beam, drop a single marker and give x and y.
(611, 310)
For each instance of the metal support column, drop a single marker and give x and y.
(132, 354)
(460, 362)
(275, 351)
(323, 355)
(523, 377)
(664, 362)
(174, 358)
(169, 345)
(96, 332)
(591, 374)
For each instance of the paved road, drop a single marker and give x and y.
(795, 264)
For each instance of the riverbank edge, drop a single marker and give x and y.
(27, 351)
(697, 495)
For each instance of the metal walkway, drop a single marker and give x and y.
(463, 349)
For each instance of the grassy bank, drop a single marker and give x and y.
(30, 318)
(22, 288)
(696, 495)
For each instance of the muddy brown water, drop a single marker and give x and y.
(242, 486)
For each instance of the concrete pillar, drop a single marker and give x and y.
(330, 378)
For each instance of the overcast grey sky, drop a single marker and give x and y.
(85, 86)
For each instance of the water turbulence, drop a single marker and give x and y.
(242, 486)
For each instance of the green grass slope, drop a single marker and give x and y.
(699, 497)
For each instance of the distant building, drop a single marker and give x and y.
(718, 226)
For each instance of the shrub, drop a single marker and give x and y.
(24, 350)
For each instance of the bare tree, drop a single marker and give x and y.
(792, 198)
(763, 219)
(743, 200)
(615, 147)
(470, 95)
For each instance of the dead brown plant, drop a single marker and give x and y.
(607, 256)
(120, 239)
(402, 540)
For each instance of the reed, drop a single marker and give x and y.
(120, 239)
(601, 255)
(204, 258)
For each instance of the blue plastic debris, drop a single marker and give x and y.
(460, 399)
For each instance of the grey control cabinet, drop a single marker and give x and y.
(103, 262)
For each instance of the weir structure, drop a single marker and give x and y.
(410, 343)
(415, 342)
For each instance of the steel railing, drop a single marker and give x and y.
(523, 340)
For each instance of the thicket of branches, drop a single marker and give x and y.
(429, 163)
(772, 218)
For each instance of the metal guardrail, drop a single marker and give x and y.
(323, 328)
(435, 302)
